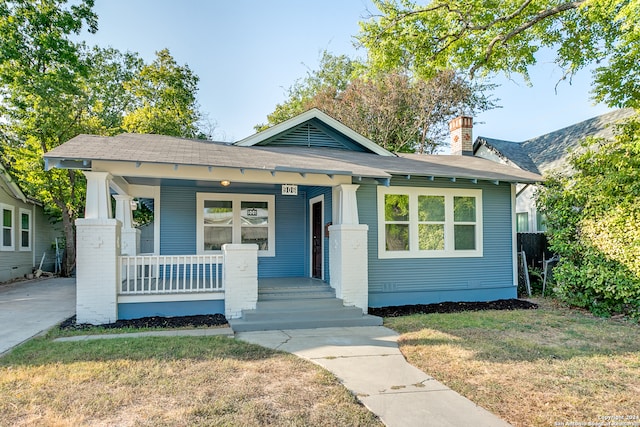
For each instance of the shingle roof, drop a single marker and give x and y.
(549, 151)
(171, 150)
(511, 151)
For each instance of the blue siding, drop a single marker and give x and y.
(431, 280)
(169, 309)
(177, 220)
(178, 226)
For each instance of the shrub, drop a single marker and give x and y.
(593, 221)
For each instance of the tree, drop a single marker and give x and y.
(165, 99)
(395, 110)
(333, 73)
(481, 37)
(593, 220)
(54, 89)
(40, 76)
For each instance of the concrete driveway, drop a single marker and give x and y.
(28, 308)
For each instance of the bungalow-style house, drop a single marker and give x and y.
(304, 218)
(27, 233)
(542, 155)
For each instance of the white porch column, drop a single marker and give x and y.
(97, 270)
(130, 234)
(345, 204)
(240, 278)
(98, 203)
(348, 252)
(97, 252)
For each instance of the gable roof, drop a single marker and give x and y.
(549, 151)
(12, 185)
(510, 152)
(322, 127)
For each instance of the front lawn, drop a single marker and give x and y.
(545, 367)
(168, 381)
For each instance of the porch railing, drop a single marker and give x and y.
(166, 274)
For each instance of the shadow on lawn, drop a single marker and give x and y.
(43, 350)
(544, 334)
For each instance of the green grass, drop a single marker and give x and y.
(160, 381)
(532, 367)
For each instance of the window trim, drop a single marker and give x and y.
(449, 223)
(236, 203)
(12, 246)
(30, 229)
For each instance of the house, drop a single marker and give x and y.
(307, 202)
(27, 233)
(545, 154)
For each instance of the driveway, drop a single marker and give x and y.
(28, 308)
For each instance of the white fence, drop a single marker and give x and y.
(167, 274)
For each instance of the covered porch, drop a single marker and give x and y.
(184, 276)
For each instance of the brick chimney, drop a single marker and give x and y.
(461, 129)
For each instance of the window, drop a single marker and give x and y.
(522, 222)
(7, 228)
(541, 222)
(25, 230)
(236, 218)
(426, 222)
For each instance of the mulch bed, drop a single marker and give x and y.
(220, 320)
(153, 322)
(452, 307)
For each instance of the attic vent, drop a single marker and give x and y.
(307, 135)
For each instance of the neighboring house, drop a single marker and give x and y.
(309, 199)
(27, 234)
(543, 155)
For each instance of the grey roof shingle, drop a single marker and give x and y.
(172, 150)
(549, 151)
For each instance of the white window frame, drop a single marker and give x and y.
(12, 246)
(449, 223)
(236, 203)
(30, 230)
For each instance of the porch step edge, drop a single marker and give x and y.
(241, 325)
(302, 314)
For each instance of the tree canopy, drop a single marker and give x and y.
(482, 38)
(164, 99)
(54, 88)
(394, 109)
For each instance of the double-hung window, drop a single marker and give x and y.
(236, 218)
(7, 228)
(429, 222)
(25, 230)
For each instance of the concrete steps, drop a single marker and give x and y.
(299, 304)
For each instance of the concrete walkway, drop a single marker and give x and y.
(368, 362)
(29, 308)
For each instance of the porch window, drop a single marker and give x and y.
(236, 218)
(7, 228)
(25, 230)
(428, 222)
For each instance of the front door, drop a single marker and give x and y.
(316, 240)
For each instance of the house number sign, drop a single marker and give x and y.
(289, 190)
(252, 212)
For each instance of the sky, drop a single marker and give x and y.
(247, 53)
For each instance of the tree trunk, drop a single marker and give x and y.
(69, 260)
